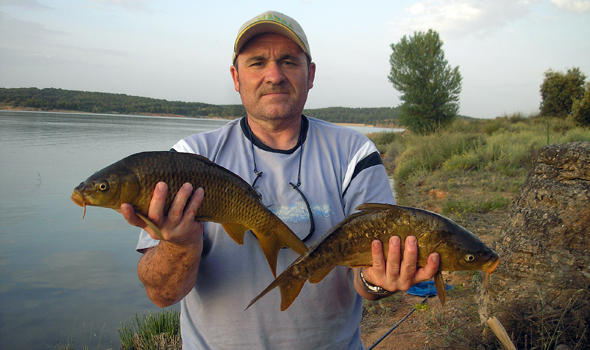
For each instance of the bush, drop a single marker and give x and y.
(581, 109)
(559, 91)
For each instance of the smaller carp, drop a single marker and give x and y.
(349, 244)
(229, 200)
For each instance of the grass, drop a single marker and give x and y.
(543, 324)
(459, 207)
(152, 331)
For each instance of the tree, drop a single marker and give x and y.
(430, 87)
(559, 91)
(581, 108)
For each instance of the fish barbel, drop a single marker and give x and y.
(349, 244)
(229, 200)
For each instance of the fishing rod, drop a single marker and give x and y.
(397, 324)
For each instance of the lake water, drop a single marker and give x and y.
(62, 277)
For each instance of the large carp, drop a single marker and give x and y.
(349, 244)
(229, 200)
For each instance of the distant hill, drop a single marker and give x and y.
(369, 116)
(100, 102)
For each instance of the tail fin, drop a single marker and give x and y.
(290, 288)
(280, 236)
(289, 238)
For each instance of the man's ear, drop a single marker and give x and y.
(310, 75)
(234, 74)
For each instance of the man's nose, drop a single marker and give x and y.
(274, 73)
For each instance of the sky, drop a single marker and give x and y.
(181, 50)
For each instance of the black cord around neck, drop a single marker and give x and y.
(295, 187)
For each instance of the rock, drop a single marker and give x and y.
(545, 248)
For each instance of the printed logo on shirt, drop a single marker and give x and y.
(296, 213)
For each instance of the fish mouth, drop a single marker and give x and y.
(78, 198)
(489, 268)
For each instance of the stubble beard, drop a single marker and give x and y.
(274, 111)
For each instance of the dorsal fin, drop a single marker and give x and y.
(375, 206)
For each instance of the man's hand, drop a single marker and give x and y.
(396, 274)
(169, 270)
(178, 225)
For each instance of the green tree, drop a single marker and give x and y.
(559, 91)
(430, 87)
(581, 108)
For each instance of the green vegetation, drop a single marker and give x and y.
(430, 87)
(581, 108)
(559, 91)
(369, 116)
(98, 102)
(473, 166)
(152, 331)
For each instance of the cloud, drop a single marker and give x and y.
(578, 6)
(129, 5)
(18, 33)
(34, 4)
(28, 43)
(462, 17)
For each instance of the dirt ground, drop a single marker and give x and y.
(454, 326)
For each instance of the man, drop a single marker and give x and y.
(294, 162)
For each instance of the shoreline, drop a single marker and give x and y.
(31, 109)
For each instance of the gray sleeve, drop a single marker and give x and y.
(366, 180)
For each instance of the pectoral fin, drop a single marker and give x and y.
(440, 287)
(151, 225)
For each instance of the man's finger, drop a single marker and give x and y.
(129, 215)
(394, 257)
(428, 271)
(157, 203)
(378, 259)
(408, 265)
(178, 206)
(191, 208)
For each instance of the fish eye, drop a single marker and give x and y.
(103, 186)
(469, 257)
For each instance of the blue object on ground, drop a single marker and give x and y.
(427, 288)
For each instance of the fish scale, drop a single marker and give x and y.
(228, 200)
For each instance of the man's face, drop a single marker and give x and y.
(273, 77)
